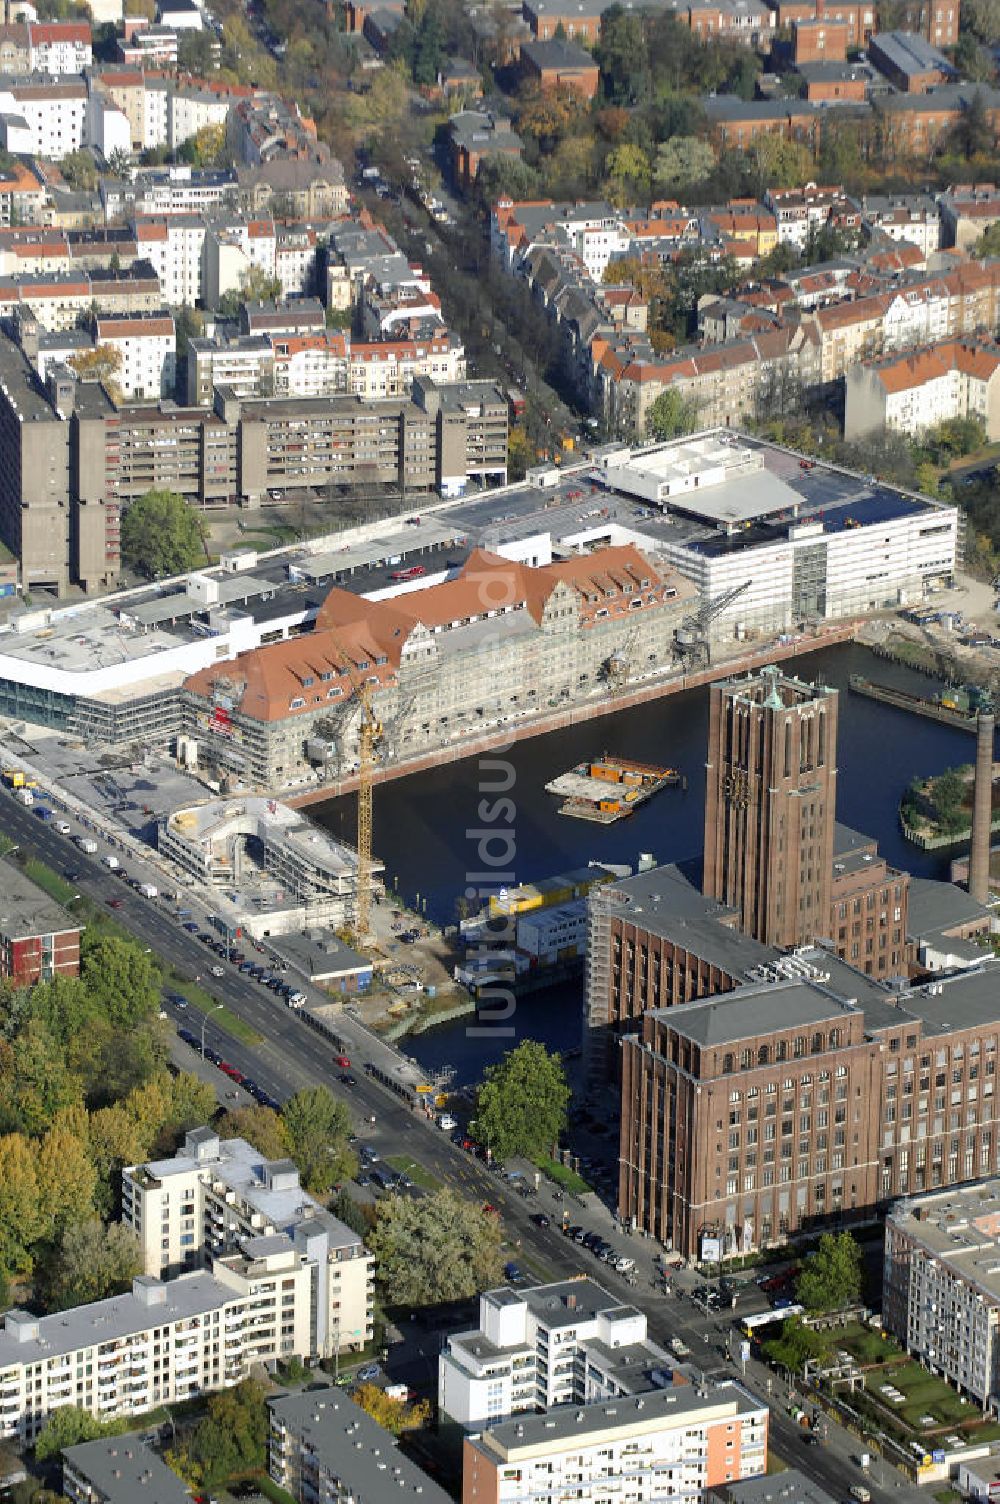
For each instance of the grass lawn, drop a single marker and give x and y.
(205, 1003)
(865, 1345)
(925, 1395)
(55, 886)
(270, 1490)
(407, 1166)
(568, 1179)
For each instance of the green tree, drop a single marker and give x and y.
(438, 1249)
(21, 1220)
(35, 1081)
(394, 1416)
(628, 172)
(232, 1438)
(795, 1347)
(623, 57)
(683, 160)
(80, 171)
(206, 148)
(69, 1425)
(520, 453)
(90, 1262)
(988, 243)
(255, 287)
(119, 163)
(260, 1126)
(318, 1126)
(522, 1103)
(671, 415)
(831, 1279)
(192, 1103)
(121, 976)
(66, 1177)
(162, 535)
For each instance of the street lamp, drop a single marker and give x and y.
(214, 1009)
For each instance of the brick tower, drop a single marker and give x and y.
(770, 801)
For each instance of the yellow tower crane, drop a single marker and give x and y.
(369, 737)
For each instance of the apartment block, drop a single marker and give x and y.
(146, 346)
(119, 1470)
(912, 391)
(199, 1205)
(566, 1343)
(677, 1443)
(322, 1446)
(37, 939)
(56, 47)
(158, 1344)
(941, 1288)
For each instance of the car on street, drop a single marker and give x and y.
(113, 903)
(191, 927)
(369, 1373)
(232, 1071)
(218, 971)
(540, 1219)
(342, 1060)
(348, 1079)
(512, 1273)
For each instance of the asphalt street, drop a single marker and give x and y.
(290, 1055)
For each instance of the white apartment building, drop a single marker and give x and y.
(160, 1343)
(296, 263)
(245, 363)
(119, 1470)
(54, 114)
(941, 1285)
(190, 110)
(59, 47)
(324, 1447)
(386, 368)
(561, 1344)
(174, 247)
(917, 315)
(674, 1443)
(908, 219)
(156, 116)
(921, 388)
(147, 347)
(215, 1192)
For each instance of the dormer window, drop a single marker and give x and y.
(297, 703)
(307, 682)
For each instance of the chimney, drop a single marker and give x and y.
(982, 810)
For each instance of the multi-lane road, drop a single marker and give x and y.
(290, 1055)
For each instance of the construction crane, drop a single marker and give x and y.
(691, 643)
(617, 668)
(369, 738)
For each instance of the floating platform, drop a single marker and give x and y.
(609, 788)
(934, 710)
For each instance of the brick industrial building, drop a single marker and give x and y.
(805, 1078)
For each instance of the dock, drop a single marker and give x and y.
(609, 788)
(901, 699)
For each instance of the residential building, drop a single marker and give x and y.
(914, 390)
(119, 1470)
(682, 1441)
(909, 61)
(38, 941)
(473, 136)
(560, 63)
(157, 1344)
(788, 1487)
(321, 1445)
(770, 804)
(200, 1205)
(911, 217)
(967, 212)
(941, 1291)
(57, 47)
(937, 20)
(819, 41)
(565, 1343)
(146, 346)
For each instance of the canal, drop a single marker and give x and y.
(426, 828)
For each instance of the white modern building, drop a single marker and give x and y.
(674, 1443)
(941, 1285)
(59, 47)
(159, 1343)
(52, 112)
(561, 1344)
(199, 1205)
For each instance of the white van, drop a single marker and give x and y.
(447, 1123)
(625, 1265)
(63, 827)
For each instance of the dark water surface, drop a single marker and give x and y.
(422, 824)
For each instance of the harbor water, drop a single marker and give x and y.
(428, 829)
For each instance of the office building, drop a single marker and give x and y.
(214, 1192)
(672, 1443)
(566, 1343)
(812, 1095)
(770, 802)
(322, 1446)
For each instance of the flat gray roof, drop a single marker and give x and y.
(940, 906)
(124, 1469)
(354, 1449)
(26, 909)
(789, 1487)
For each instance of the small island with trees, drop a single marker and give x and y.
(937, 811)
